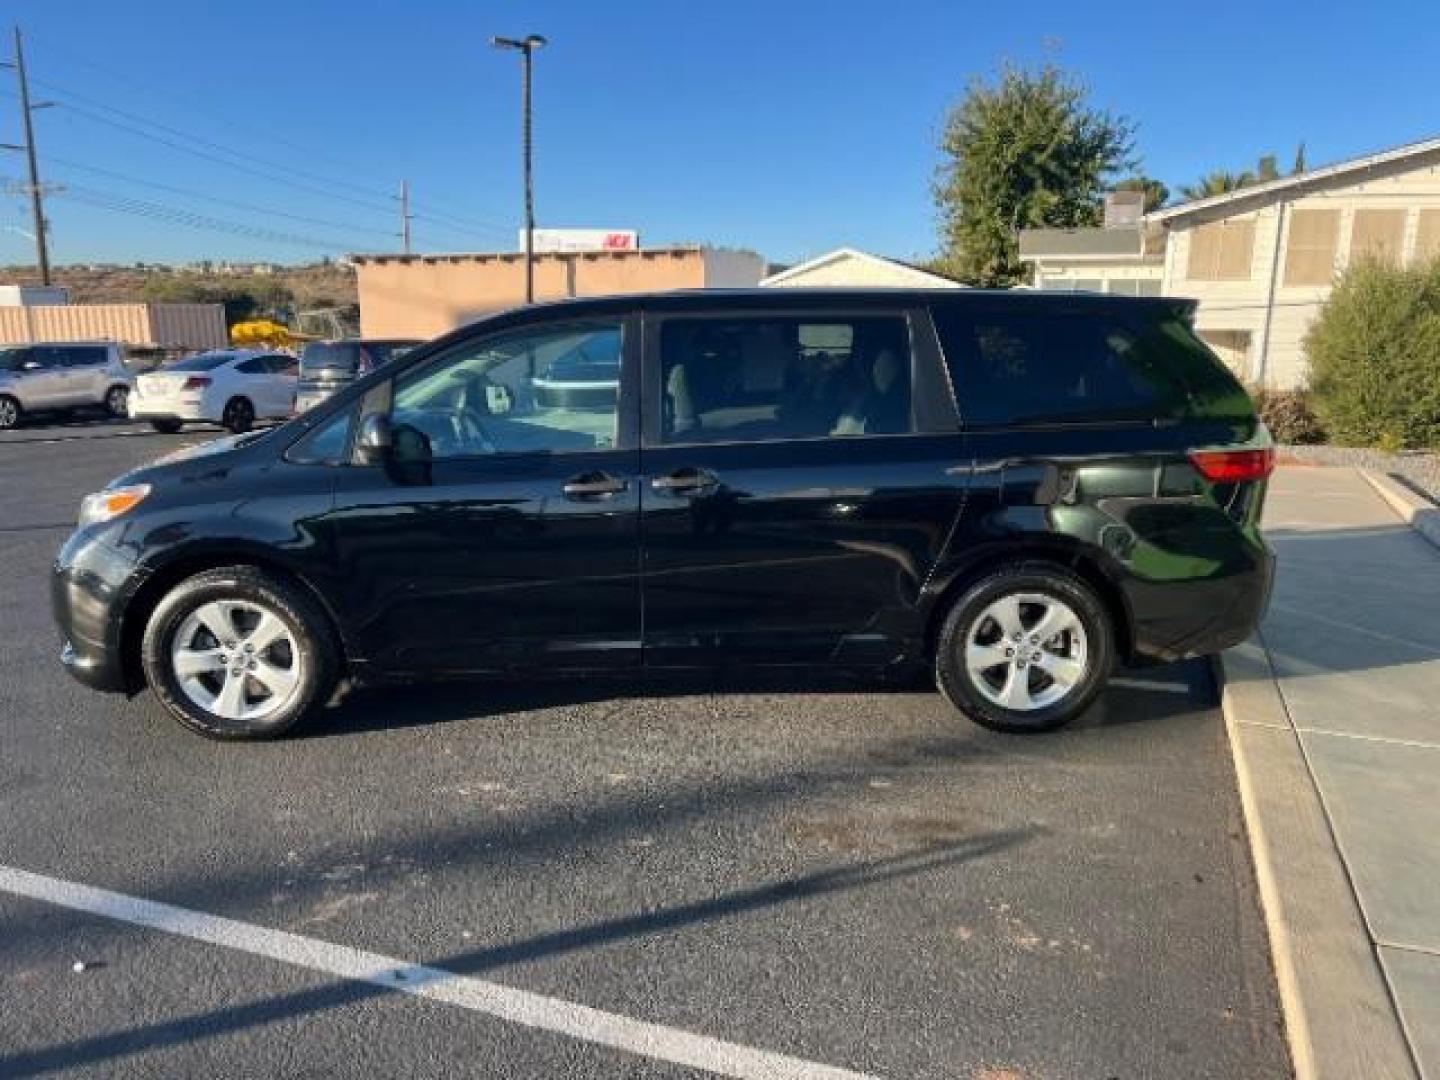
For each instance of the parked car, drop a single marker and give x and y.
(1008, 490)
(326, 366)
(62, 376)
(231, 387)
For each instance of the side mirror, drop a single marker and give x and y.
(375, 440)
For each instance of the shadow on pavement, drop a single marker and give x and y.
(477, 962)
(382, 707)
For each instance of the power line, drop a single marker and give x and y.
(174, 216)
(232, 203)
(245, 156)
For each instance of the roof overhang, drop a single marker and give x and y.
(1300, 181)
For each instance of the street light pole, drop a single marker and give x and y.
(526, 47)
(36, 190)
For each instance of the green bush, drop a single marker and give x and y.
(1375, 357)
(1289, 416)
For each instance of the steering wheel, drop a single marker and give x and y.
(472, 431)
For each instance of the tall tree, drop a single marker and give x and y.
(1156, 193)
(1025, 151)
(1219, 182)
(1267, 170)
(1299, 165)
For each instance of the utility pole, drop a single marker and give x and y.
(405, 214)
(35, 188)
(526, 47)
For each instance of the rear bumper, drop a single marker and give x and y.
(1182, 619)
(167, 410)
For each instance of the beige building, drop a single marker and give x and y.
(1262, 260)
(425, 295)
(850, 267)
(151, 326)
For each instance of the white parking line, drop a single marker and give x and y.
(478, 995)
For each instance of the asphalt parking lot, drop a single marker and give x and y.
(841, 875)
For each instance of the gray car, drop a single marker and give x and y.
(60, 376)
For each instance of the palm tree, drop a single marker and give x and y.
(1217, 183)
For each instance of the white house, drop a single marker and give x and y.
(1262, 260)
(847, 266)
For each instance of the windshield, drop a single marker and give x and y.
(11, 359)
(351, 357)
(341, 357)
(203, 362)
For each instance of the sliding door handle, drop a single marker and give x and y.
(685, 482)
(594, 486)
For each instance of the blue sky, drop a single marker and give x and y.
(788, 126)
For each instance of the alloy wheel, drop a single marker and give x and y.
(9, 413)
(1026, 651)
(117, 400)
(236, 659)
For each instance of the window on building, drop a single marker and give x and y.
(1124, 287)
(1088, 285)
(760, 379)
(1222, 250)
(1377, 234)
(1310, 253)
(1427, 235)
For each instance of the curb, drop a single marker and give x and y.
(1340, 1019)
(1418, 512)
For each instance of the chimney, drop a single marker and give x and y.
(1124, 209)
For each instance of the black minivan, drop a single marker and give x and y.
(1012, 490)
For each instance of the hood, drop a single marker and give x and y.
(211, 458)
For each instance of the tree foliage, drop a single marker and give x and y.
(243, 298)
(1026, 151)
(1375, 357)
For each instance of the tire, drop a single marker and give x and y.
(11, 412)
(257, 693)
(166, 427)
(238, 416)
(1038, 685)
(117, 400)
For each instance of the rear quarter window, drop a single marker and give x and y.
(1013, 366)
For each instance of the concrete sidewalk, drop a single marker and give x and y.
(1334, 714)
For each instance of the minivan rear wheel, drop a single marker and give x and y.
(10, 412)
(237, 653)
(1025, 648)
(117, 400)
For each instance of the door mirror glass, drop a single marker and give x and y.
(375, 439)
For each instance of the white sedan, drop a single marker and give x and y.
(232, 387)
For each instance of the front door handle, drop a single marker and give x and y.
(594, 486)
(685, 482)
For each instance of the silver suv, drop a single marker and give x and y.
(62, 375)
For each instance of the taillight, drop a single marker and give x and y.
(196, 382)
(1234, 466)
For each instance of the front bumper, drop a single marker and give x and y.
(89, 584)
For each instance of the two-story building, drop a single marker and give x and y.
(1261, 260)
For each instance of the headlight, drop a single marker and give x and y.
(111, 503)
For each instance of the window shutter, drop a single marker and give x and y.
(1310, 253)
(1377, 234)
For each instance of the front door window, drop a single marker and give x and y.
(551, 390)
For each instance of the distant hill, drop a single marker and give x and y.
(313, 286)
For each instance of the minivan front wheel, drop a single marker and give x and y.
(117, 400)
(10, 412)
(1025, 648)
(237, 653)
